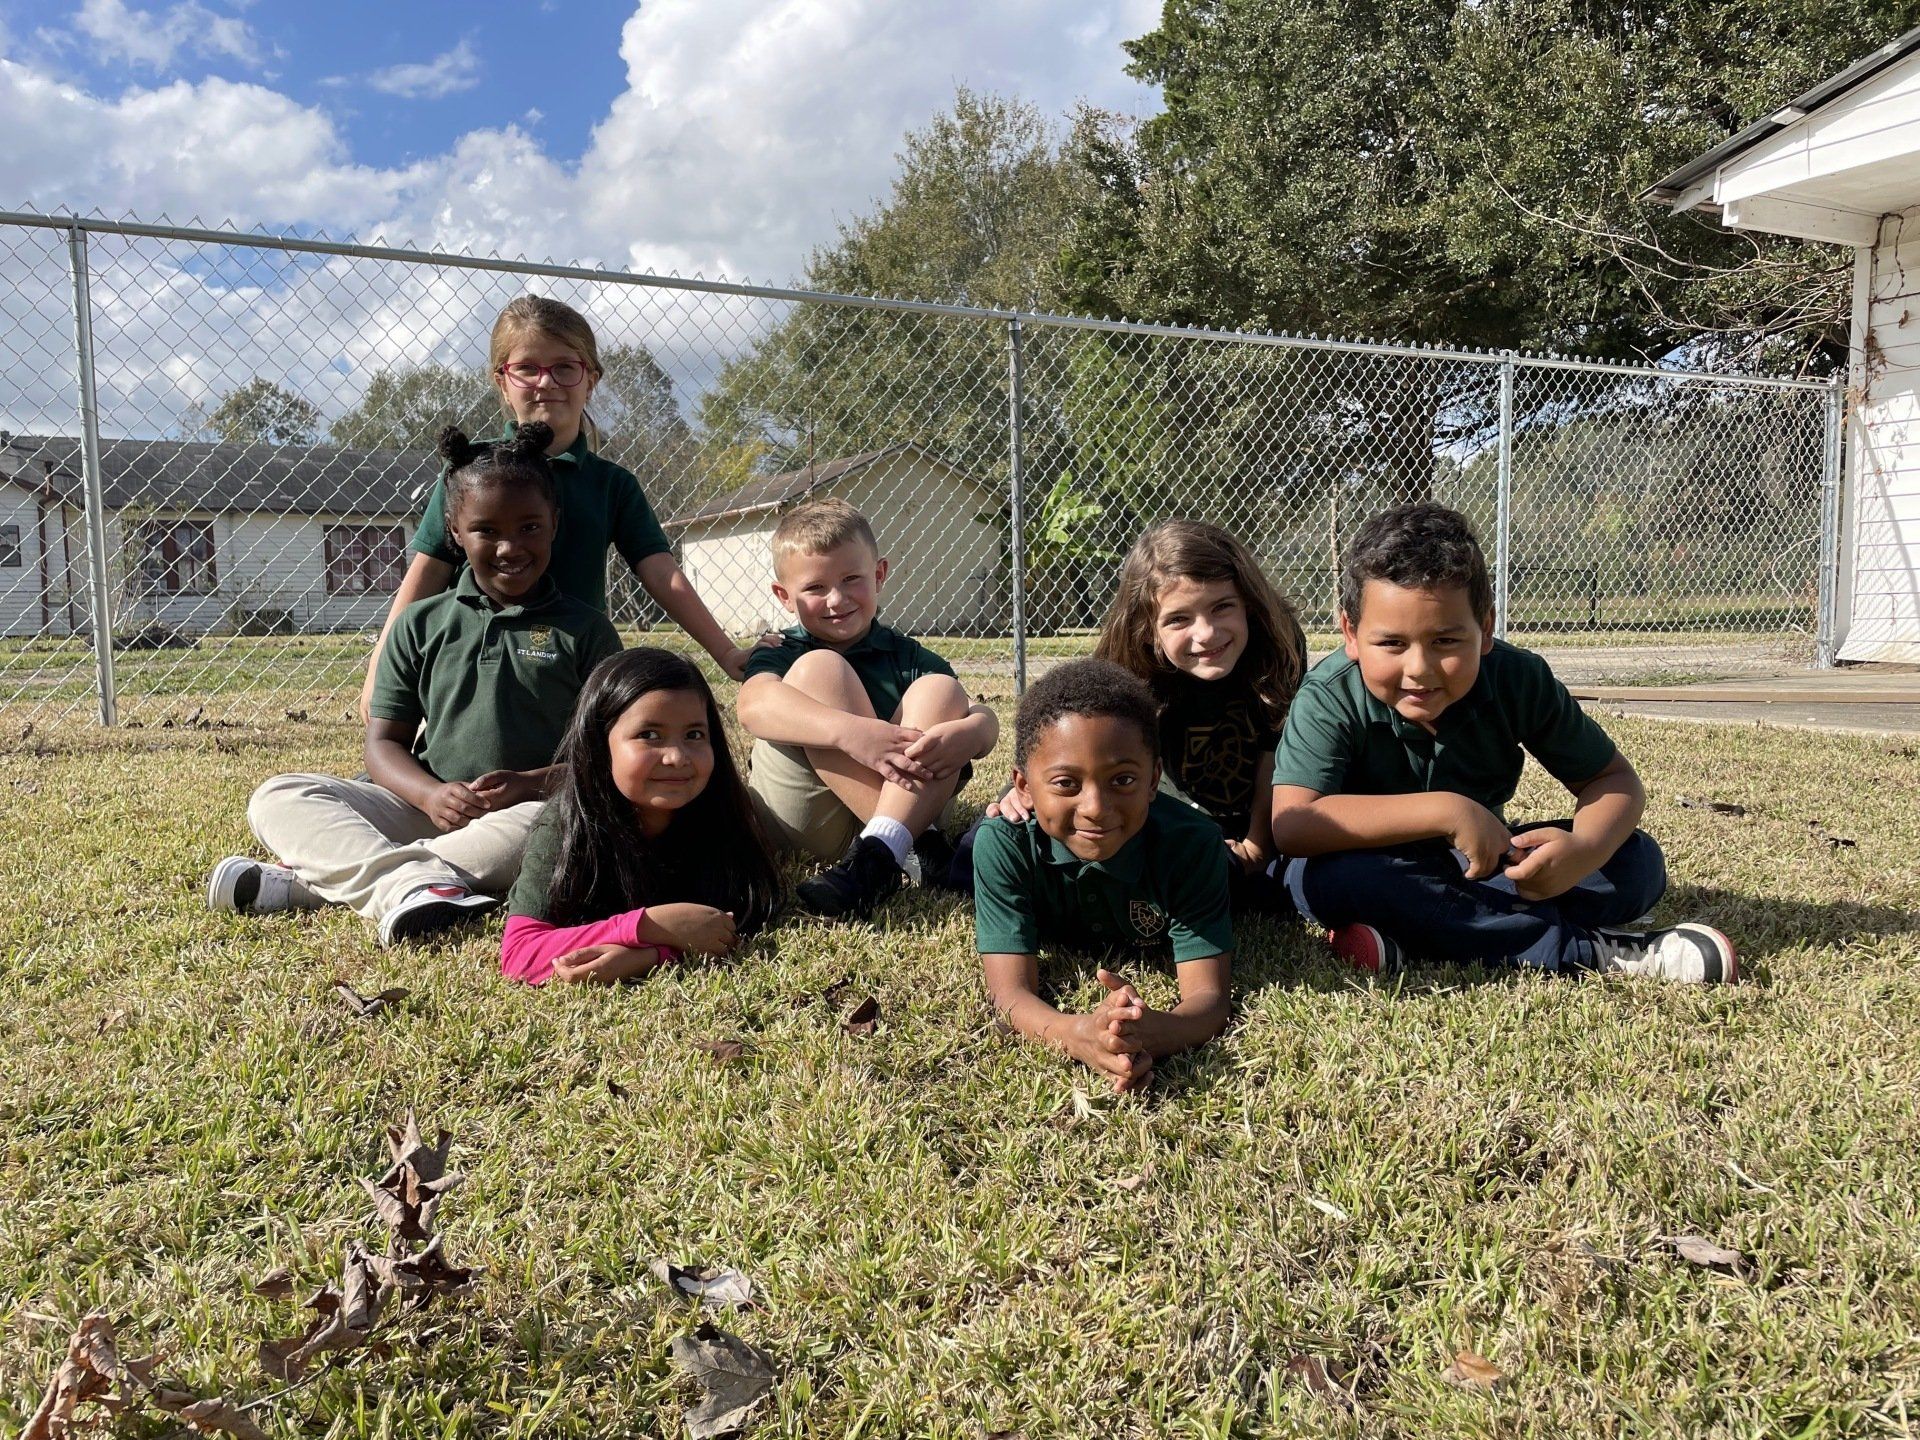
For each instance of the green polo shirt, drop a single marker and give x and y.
(600, 505)
(886, 661)
(1340, 740)
(1168, 884)
(495, 686)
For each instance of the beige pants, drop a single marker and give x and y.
(353, 843)
(799, 810)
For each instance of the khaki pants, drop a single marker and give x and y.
(799, 811)
(354, 843)
(796, 808)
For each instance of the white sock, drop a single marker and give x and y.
(892, 834)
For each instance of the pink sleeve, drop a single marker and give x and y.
(529, 948)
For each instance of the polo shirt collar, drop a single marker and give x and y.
(1126, 865)
(468, 592)
(878, 637)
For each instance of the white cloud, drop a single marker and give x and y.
(748, 128)
(448, 74)
(154, 38)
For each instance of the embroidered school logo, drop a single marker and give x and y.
(1149, 920)
(539, 645)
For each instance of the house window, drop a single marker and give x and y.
(9, 547)
(176, 557)
(365, 559)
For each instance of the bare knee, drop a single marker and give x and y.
(825, 675)
(932, 699)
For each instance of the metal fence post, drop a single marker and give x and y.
(1017, 551)
(1831, 462)
(1503, 504)
(96, 509)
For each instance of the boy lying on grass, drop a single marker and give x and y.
(1104, 861)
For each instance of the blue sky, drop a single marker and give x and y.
(401, 81)
(720, 136)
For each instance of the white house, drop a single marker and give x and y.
(1842, 163)
(206, 536)
(940, 530)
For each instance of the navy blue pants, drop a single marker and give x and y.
(1418, 896)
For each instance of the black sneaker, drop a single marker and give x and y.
(853, 884)
(930, 862)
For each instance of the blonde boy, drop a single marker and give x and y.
(862, 735)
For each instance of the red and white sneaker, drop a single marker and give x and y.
(1365, 948)
(432, 908)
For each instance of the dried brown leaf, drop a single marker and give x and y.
(723, 1050)
(295, 715)
(1127, 1184)
(830, 996)
(423, 1276)
(342, 1318)
(734, 1374)
(219, 1416)
(713, 1285)
(615, 1088)
(1718, 807)
(863, 1019)
(1475, 1372)
(1325, 1383)
(78, 1379)
(276, 1284)
(365, 1005)
(1698, 1250)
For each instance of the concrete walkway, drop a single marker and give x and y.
(1864, 700)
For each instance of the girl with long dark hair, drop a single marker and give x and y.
(648, 849)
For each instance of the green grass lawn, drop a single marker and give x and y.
(957, 1235)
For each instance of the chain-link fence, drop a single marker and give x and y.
(214, 447)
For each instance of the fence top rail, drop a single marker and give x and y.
(199, 235)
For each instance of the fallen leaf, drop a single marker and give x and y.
(1841, 842)
(1718, 807)
(1312, 1372)
(724, 1049)
(421, 1277)
(1698, 1250)
(1130, 1183)
(108, 1021)
(410, 1191)
(1327, 1208)
(297, 715)
(1475, 1372)
(217, 1416)
(80, 1378)
(275, 1284)
(734, 1374)
(342, 1319)
(194, 717)
(865, 1016)
(363, 1005)
(830, 996)
(616, 1089)
(714, 1285)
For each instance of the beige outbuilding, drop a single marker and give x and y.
(941, 530)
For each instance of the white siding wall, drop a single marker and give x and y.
(945, 565)
(261, 562)
(730, 565)
(1881, 596)
(20, 583)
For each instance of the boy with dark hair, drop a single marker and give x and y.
(862, 735)
(1103, 859)
(1399, 754)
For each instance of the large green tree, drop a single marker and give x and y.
(256, 413)
(1460, 172)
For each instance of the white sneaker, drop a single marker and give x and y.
(432, 908)
(253, 887)
(1689, 954)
